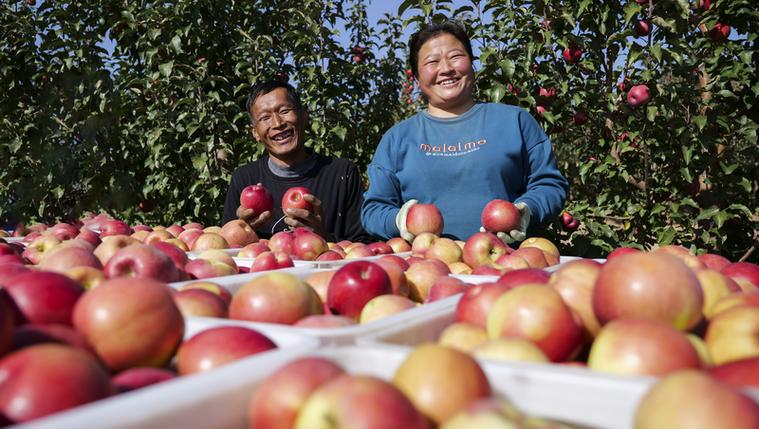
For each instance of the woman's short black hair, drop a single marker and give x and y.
(265, 87)
(433, 30)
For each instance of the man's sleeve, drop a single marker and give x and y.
(232, 201)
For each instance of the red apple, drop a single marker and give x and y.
(188, 236)
(642, 28)
(444, 287)
(137, 378)
(214, 288)
(44, 297)
(330, 255)
(424, 218)
(422, 243)
(713, 261)
(383, 306)
(535, 257)
(641, 347)
(207, 269)
(694, 400)
(30, 334)
(175, 230)
(441, 381)
(130, 322)
(282, 242)
(308, 245)
(63, 231)
(464, 337)
(238, 233)
(500, 216)
(293, 199)
(209, 240)
(733, 335)
(7, 321)
(45, 379)
(358, 401)
(646, 285)
(200, 303)
(619, 251)
(380, 248)
(257, 198)
(741, 373)
(177, 256)
(111, 245)
(275, 298)
(219, 346)
(444, 249)
(276, 402)
(399, 245)
(537, 313)
(114, 227)
(252, 250)
(524, 276)
(574, 281)
(483, 248)
(355, 284)
(720, 32)
(89, 236)
(63, 258)
(422, 275)
(142, 261)
(477, 301)
(572, 54)
(744, 273)
(638, 95)
(325, 321)
(396, 273)
(580, 118)
(714, 286)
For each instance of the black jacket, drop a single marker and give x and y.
(334, 181)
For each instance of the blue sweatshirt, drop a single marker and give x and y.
(460, 164)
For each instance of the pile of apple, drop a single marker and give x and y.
(62, 346)
(640, 313)
(434, 386)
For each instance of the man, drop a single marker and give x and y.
(278, 122)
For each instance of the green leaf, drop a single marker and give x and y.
(656, 52)
(166, 68)
(708, 213)
(666, 236)
(497, 92)
(721, 217)
(651, 112)
(176, 43)
(631, 9)
(700, 121)
(508, 67)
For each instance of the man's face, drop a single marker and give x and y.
(278, 125)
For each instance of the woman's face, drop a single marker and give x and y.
(445, 73)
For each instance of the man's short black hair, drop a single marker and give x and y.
(265, 87)
(433, 30)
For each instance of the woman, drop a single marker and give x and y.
(459, 154)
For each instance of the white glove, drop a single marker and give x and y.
(400, 220)
(520, 233)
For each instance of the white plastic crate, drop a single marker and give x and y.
(193, 401)
(339, 335)
(248, 262)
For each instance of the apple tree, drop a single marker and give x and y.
(679, 167)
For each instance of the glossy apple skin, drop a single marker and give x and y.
(7, 321)
(114, 227)
(137, 378)
(743, 272)
(142, 261)
(574, 281)
(424, 218)
(257, 198)
(47, 378)
(733, 334)
(130, 322)
(276, 402)
(537, 313)
(30, 334)
(500, 216)
(275, 298)
(692, 399)
(216, 347)
(383, 306)
(293, 199)
(477, 301)
(483, 248)
(422, 275)
(44, 297)
(358, 401)
(325, 321)
(645, 285)
(741, 373)
(641, 347)
(200, 303)
(441, 381)
(355, 284)
(238, 233)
